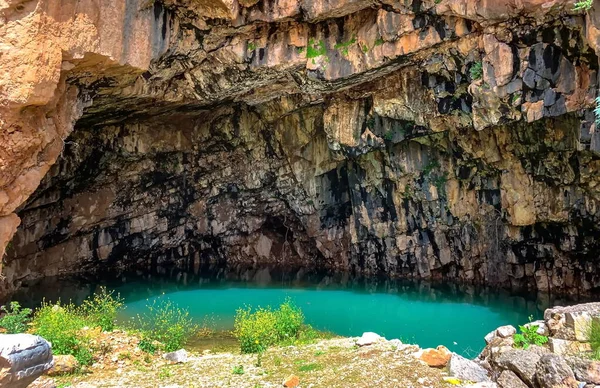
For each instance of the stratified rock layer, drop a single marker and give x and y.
(447, 140)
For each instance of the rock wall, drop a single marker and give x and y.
(446, 140)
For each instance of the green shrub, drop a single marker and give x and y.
(101, 309)
(476, 71)
(238, 370)
(166, 323)
(15, 318)
(257, 330)
(529, 336)
(62, 326)
(315, 49)
(583, 5)
(595, 337)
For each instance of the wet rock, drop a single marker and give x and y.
(466, 370)
(508, 379)
(585, 369)
(436, 358)
(368, 338)
(179, 356)
(23, 358)
(552, 371)
(63, 364)
(291, 381)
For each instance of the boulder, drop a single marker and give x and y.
(437, 358)
(467, 370)
(585, 369)
(552, 371)
(571, 322)
(506, 331)
(508, 379)
(567, 347)
(63, 364)
(23, 358)
(179, 356)
(368, 338)
(521, 362)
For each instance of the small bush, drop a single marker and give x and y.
(584, 5)
(529, 336)
(15, 318)
(101, 309)
(476, 71)
(595, 337)
(257, 330)
(61, 325)
(238, 370)
(166, 323)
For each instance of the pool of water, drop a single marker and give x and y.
(457, 317)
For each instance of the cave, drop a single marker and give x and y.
(409, 141)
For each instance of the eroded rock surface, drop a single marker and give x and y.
(23, 358)
(446, 140)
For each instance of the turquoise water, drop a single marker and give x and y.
(427, 316)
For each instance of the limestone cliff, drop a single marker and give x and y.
(442, 139)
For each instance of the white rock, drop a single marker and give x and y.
(368, 338)
(542, 329)
(467, 370)
(179, 356)
(23, 358)
(490, 336)
(506, 331)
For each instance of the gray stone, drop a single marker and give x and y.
(529, 78)
(23, 358)
(179, 356)
(549, 97)
(368, 338)
(506, 331)
(585, 369)
(521, 362)
(552, 371)
(490, 336)
(465, 369)
(508, 379)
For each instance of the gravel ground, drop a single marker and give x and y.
(328, 363)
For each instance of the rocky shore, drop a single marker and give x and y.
(561, 357)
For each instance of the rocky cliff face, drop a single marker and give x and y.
(444, 139)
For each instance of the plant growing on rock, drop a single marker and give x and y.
(529, 336)
(476, 71)
(15, 318)
(344, 46)
(597, 110)
(594, 335)
(584, 5)
(315, 49)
